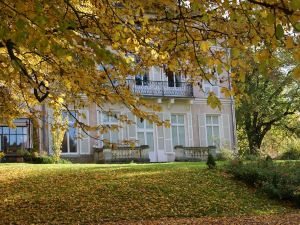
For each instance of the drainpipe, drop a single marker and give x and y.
(232, 112)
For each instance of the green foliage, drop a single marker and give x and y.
(278, 180)
(211, 163)
(49, 160)
(225, 154)
(292, 151)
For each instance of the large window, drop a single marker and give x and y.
(178, 130)
(109, 119)
(69, 144)
(212, 130)
(211, 86)
(143, 78)
(174, 80)
(145, 133)
(13, 139)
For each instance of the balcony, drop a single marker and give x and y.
(161, 88)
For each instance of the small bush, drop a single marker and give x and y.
(1, 155)
(251, 157)
(225, 155)
(211, 163)
(278, 180)
(292, 151)
(49, 160)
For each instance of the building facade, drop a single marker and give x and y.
(193, 122)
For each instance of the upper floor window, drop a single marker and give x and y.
(143, 78)
(211, 86)
(213, 130)
(178, 129)
(174, 80)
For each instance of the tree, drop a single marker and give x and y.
(54, 52)
(269, 97)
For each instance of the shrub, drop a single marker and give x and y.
(49, 160)
(292, 151)
(211, 163)
(225, 154)
(1, 155)
(251, 157)
(278, 180)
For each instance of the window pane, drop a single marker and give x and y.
(173, 119)
(65, 143)
(150, 141)
(208, 120)
(209, 135)
(72, 140)
(141, 138)
(174, 135)
(140, 124)
(5, 130)
(149, 125)
(19, 140)
(106, 136)
(113, 118)
(216, 132)
(180, 119)
(114, 136)
(215, 89)
(105, 118)
(12, 140)
(25, 130)
(13, 131)
(181, 135)
(215, 120)
(19, 130)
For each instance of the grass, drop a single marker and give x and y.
(93, 193)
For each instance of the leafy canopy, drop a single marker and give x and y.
(50, 51)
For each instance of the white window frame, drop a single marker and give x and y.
(145, 130)
(217, 144)
(68, 136)
(109, 122)
(178, 125)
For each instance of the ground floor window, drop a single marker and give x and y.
(69, 144)
(14, 139)
(110, 119)
(212, 130)
(178, 129)
(145, 133)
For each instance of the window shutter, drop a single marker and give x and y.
(160, 134)
(168, 134)
(202, 130)
(190, 129)
(84, 140)
(225, 132)
(131, 128)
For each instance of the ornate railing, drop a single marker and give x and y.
(161, 88)
(122, 154)
(193, 153)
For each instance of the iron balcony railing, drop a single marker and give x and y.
(161, 88)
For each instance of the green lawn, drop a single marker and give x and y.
(93, 193)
